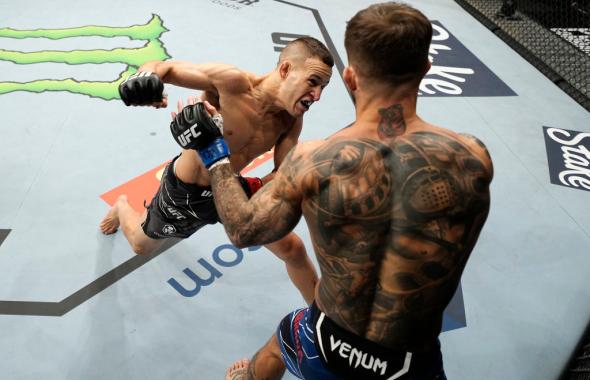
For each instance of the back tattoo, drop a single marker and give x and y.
(393, 223)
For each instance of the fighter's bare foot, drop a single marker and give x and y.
(238, 370)
(110, 223)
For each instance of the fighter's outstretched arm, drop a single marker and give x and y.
(146, 87)
(203, 76)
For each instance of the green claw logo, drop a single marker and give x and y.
(132, 57)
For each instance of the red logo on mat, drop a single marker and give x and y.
(139, 189)
(143, 187)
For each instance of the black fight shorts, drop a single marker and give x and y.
(178, 209)
(316, 348)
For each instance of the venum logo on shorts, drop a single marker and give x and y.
(456, 71)
(357, 357)
(568, 156)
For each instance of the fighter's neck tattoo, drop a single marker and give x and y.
(392, 123)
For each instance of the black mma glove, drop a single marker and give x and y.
(194, 128)
(141, 89)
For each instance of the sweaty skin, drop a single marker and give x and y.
(394, 209)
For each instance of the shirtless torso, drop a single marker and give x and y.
(393, 222)
(394, 207)
(250, 129)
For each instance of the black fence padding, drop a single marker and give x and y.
(553, 35)
(579, 366)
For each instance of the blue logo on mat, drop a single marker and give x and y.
(458, 72)
(568, 155)
(454, 316)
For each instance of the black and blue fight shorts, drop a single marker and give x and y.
(316, 348)
(178, 209)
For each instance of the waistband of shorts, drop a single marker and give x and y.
(315, 314)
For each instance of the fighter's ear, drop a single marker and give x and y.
(284, 68)
(350, 78)
(427, 68)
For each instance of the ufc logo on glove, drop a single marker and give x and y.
(185, 137)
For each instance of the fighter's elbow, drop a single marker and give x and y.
(240, 244)
(241, 230)
(152, 66)
(240, 241)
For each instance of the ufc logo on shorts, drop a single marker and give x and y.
(176, 213)
(185, 137)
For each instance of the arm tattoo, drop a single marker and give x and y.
(265, 218)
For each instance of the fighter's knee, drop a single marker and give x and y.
(297, 248)
(141, 249)
(291, 249)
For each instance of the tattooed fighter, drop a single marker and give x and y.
(394, 206)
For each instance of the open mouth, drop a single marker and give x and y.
(306, 104)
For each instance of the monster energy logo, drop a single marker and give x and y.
(131, 57)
